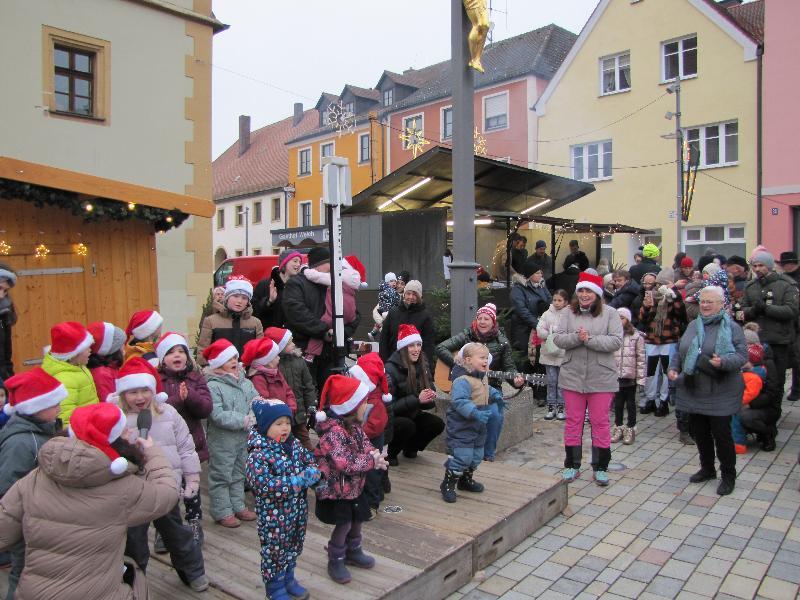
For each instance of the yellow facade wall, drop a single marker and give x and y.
(724, 89)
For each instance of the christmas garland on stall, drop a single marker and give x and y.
(94, 210)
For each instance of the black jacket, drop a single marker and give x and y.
(270, 315)
(625, 295)
(416, 315)
(529, 304)
(648, 265)
(7, 318)
(578, 258)
(772, 302)
(772, 392)
(405, 402)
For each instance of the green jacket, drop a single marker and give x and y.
(20, 441)
(778, 295)
(231, 398)
(499, 348)
(295, 370)
(78, 381)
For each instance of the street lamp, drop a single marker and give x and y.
(675, 88)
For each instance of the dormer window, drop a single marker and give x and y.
(349, 107)
(388, 97)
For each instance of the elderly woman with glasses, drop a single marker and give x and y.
(706, 370)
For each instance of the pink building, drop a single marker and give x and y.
(780, 212)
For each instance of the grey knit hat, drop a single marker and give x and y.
(763, 257)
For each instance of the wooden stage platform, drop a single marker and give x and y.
(426, 549)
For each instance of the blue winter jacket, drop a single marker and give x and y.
(464, 430)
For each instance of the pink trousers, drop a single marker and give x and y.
(599, 405)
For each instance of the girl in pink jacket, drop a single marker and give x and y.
(631, 368)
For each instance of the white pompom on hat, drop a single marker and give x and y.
(389, 277)
(137, 373)
(33, 391)
(369, 369)
(69, 339)
(490, 310)
(353, 262)
(341, 395)
(100, 425)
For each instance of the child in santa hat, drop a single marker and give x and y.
(143, 330)
(139, 390)
(228, 425)
(354, 276)
(345, 456)
(66, 360)
(296, 373)
(106, 357)
(33, 403)
(187, 392)
(233, 321)
(279, 470)
(378, 426)
(261, 359)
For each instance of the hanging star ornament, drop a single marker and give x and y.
(5, 249)
(41, 251)
(81, 249)
(478, 143)
(413, 139)
(339, 118)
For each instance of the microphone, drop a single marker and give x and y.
(143, 423)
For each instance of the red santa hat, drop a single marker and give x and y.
(103, 334)
(137, 373)
(587, 281)
(280, 336)
(407, 335)
(69, 339)
(341, 395)
(260, 352)
(143, 324)
(33, 391)
(167, 342)
(352, 262)
(100, 425)
(369, 369)
(239, 284)
(220, 352)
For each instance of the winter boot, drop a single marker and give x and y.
(560, 414)
(468, 484)
(448, 485)
(628, 436)
(158, 544)
(276, 589)
(336, 569)
(572, 463)
(197, 531)
(600, 459)
(686, 438)
(293, 588)
(551, 412)
(616, 433)
(355, 554)
(649, 407)
(662, 410)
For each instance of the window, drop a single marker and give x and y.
(76, 74)
(304, 216)
(220, 218)
(680, 58)
(256, 251)
(239, 252)
(447, 123)
(615, 74)
(717, 145)
(607, 248)
(257, 212)
(276, 209)
(495, 112)
(304, 162)
(592, 161)
(363, 148)
(238, 215)
(727, 240)
(413, 123)
(388, 97)
(349, 107)
(326, 149)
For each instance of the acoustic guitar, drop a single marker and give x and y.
(441, 377)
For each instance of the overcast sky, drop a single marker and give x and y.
(308, 46)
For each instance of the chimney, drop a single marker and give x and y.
(244, 133)
(298, 114)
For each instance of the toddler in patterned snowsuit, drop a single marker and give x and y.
(279, 470)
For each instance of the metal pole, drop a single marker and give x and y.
(464, 290)
(679, 168)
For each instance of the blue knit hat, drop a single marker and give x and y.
(269, 411)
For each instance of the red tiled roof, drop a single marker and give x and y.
(265, 165)
(750, 17)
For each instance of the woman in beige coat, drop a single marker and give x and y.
(74, 510)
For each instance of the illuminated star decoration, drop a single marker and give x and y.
(478, 143)
(339, 118)
(5, 249)
(41, 251)
(81, 249)
(413, 140)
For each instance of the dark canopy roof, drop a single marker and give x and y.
(499, 186)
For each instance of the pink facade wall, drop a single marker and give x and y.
(510, 142)
(781, 134)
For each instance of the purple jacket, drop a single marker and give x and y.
(196, 407)
(344, 460)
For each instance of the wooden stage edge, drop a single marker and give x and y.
(424, 548)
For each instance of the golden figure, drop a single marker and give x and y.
(478, 14)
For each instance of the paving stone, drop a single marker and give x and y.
(513, 595)
(762, 544)
(732, 541)
(515, 570)
(607, 551)
(550, 570)
(534, 556)
(627, 588)
(584, 542)
(655, 556)
(723, 553)
(703, 584)
(497, 585)
(595, 563)
(714, 566)
(551, 542)
(768, 534)
(749, 568)
(787, 572)
(623, 561)
(618, 538)
(777, 589)
(757, 555)
(567, 556)
(609, 575)
(649, 534)
(667, 544)
(666, 587)
(642, 571)
(775, 524)
(739, 587)
(708, 531)
(699, 541)
(677, 568)
(568, 586)
(582, 574)
(532, 585)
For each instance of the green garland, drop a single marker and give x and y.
(102, 208)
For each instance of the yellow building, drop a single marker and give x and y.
(602, 119)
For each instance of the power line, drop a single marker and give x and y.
(262, 82)
(730, 185)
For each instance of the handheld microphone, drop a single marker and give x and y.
(143, 423)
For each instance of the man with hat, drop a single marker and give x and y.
(789, 266)
(304, 307)
(541, 261)
(648, 264)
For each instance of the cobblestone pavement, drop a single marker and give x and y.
(651, 533)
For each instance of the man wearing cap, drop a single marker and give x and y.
(303, 309)
(650, 253)
(788, 263)
(541, 261)
(771, 300)
(412, 311)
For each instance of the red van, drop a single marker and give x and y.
(255, 268)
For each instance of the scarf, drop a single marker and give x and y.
(722, 346)
(662, 297)
(484, 337)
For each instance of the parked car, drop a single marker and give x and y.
(255, 268)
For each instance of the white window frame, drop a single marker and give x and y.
(420, 118)
(361, 159)
(723, 151)
(680, 41)
(727, 239)
(585, 156)
(300, 206)
(350, 106)
(238, 215)
(616, 58)
(388, 93)
(300, 172)
(272, 211)
(221, 222)
(322, 145)
(483, 112)
(607, 243)
(442, 135)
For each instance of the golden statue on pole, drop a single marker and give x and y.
(478, 14)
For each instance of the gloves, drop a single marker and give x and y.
(249, 421)
(191, 485)
(310, 476)
(481, 415)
